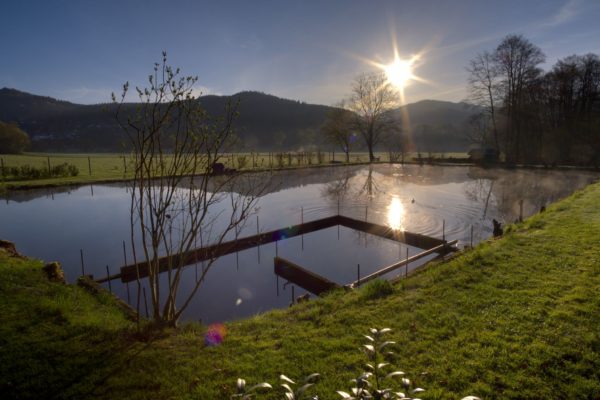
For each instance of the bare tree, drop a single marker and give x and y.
(338, 128)
(517, 61)
(483, 87)
(372, 100)
(175, 204)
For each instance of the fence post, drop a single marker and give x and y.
(2, 167)
(48, 160)
(82, 266)
(90, 165)
(406, 265)
(108, 279)
(357, 275)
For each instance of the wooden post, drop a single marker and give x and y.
(90, 165)
(293, 295)
(48, 160)
(2, 167)
(444, 229)
(406, 269)
(124, 165)
(82, 266)
(258, 232)
(108, 279)
(521, 210)
(302, 223)
(471, 236)
(146, 302)
(366, 212)
(128, 295)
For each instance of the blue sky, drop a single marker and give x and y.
(306, 50)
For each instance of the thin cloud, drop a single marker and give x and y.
(565, 14)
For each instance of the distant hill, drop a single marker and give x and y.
(439, 125)
(266, 122)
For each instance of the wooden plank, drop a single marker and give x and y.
(411, 239)
(128, 273)
(390, 268)
(304, 278)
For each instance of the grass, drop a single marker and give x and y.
(103, 167)
(517, 317)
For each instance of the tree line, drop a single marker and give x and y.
(536, 116)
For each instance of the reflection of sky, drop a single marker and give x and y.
(57, 229)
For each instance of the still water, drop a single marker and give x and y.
(60, 223)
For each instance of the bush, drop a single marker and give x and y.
(27, 172)
(376, 289)
(12, 139)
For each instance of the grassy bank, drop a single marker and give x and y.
(517, 317)
(102, 167)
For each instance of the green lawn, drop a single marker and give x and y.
(515, 318)
(103, 167)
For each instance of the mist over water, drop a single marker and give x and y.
(54, 224)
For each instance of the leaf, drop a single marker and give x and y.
(369, 347)
(384, 330)
(381, 365)
(365, 376)
(395, 373)
(287, 387)
(241, 385)
(386, 343)
(373, 331)
(372, 368)
(369, 338)
(263, 385)
(400, 394)
(405, 382)
(344, 395)
(303, 388)
(285, 378)
(312, 377)
(290, 396)
(470, 398)
(418, 390)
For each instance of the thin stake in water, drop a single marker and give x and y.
(82, 265)
(146, 302)
(108, 279)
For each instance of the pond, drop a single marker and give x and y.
(455, 202)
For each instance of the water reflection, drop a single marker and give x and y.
(411, 197)
(395, 214)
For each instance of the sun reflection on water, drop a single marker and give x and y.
(395, 214)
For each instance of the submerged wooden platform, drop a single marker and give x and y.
(302, 277)
(130, 272)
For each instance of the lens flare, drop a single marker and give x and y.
(215, 334)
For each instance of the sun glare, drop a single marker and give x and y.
(399, 72)
(395, 215)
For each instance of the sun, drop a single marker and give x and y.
(399, 73)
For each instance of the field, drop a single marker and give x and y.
(103, 167)
(515, 318)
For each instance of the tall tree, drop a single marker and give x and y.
(372, 100)
(517, 61)
(483, 88)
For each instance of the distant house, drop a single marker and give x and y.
(484, 155)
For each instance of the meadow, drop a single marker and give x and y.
(515, 317)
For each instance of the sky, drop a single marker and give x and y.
(311, 51)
